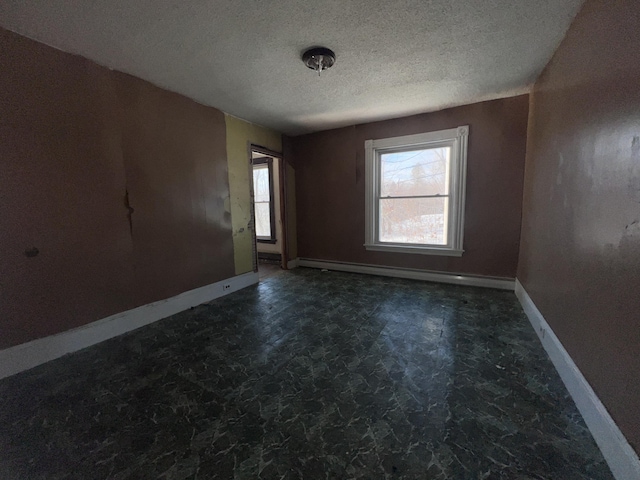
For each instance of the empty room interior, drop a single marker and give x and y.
(320, 240)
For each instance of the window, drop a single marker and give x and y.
(263, 199)
(415, 189)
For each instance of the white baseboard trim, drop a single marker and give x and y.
(430, 276)
(31, 354)
(293, 263)
(622, 459)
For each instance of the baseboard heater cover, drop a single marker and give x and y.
(414, 274)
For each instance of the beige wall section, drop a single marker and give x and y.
(240, 135)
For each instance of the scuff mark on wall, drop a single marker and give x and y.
(130, 211)
(31, 252)
(633, 229)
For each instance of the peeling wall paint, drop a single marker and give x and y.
(240, 135)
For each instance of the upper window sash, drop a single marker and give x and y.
(379, 152)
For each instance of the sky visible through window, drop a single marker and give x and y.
(409, 211)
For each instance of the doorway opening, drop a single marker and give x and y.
(268, 211)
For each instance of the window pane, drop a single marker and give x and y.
(414, 220)
(261, 184)
(415, 172)
(263, 220)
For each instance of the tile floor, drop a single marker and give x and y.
(308, 375)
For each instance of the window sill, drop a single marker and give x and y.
(267, 240)
(444, 252)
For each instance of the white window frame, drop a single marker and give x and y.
(457, 140)
(265, 163)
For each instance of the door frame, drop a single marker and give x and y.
(283, 201)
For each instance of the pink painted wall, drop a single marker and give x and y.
(330, 188)
(580, 253)
(74, 137)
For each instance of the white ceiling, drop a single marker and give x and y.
(394, 57)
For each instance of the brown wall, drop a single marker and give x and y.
(74, 138)
(580, 253)
(330, 188)
(290, 198)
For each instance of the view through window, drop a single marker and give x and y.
(414, 196)
(262, 199)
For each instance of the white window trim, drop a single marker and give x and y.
(269, 167)
(457, 139)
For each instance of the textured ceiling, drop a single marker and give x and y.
(394, 58)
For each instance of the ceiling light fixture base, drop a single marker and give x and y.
(319, 58)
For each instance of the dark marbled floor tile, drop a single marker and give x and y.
(308, 375)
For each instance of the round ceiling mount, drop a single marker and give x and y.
(319, 58)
